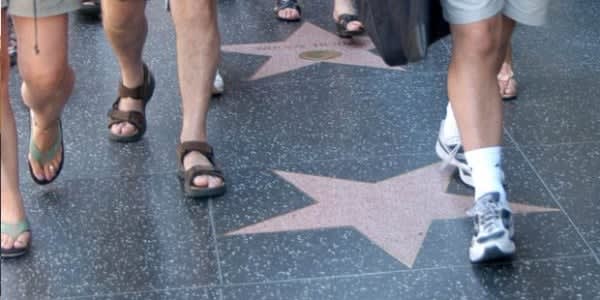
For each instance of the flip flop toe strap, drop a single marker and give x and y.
(44, 157)
(15, 230)
(283, 4)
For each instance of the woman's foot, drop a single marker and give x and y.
(14, 241)
(288, 10)
(46, 140)
(345, 17)
(507, 83)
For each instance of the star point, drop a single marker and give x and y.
(394, 213)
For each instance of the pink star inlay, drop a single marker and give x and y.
(284, 56)
(395, 213)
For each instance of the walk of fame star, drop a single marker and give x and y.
(394, 214)
(286, 56)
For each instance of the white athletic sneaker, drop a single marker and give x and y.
(450, 151)
(494, 231)
(218, 84)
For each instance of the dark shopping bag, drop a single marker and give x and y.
(402, 30)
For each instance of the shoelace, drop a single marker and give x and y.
(488, 213)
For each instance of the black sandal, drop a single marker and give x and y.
(136, 118)
(190, 190)
(90, 8)
(284, 4)
(342, 26)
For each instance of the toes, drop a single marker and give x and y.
(4, 241)
(123, 129)
(49, 171)
(214, 182)
(207, 181)
(289, 14)
(38, 170)
(201, 181)
(116, 129)
(354, 26)
(128, 130)
(294, 14)
(22, 241)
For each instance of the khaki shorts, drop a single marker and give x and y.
(529, 12)
(44, 8)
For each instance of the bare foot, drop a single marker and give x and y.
(127, 129)
(203, 181)
(44, 139)
(13, 214)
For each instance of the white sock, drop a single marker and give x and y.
(450, 127)
(486, 169)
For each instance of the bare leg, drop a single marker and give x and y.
(12, 210)
(126, 28)
(47, 82)
(197, 58)
(476, 58)
(506, 82)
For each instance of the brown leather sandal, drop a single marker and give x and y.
(190, 190)
(137, 118)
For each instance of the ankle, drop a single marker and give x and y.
(12, 210)
(132, 76)
(486, 170)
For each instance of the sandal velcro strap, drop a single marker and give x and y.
(195, 171)
(135, 118)
(283, 4)
(186, 147)
(344, 19)
(142, 92)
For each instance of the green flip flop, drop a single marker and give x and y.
(14, 231)
(44, 157)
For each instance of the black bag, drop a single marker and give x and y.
(402, 30)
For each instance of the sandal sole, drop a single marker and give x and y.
(205, 193)
(14, 254)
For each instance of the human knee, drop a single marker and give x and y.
(201, 14)
(120, 19)
(44, 80)
(482, 41)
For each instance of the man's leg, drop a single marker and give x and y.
(12, 209)
(47, 83)
(448, 146)
(126, 28)
(198, 45)
(478, 51)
